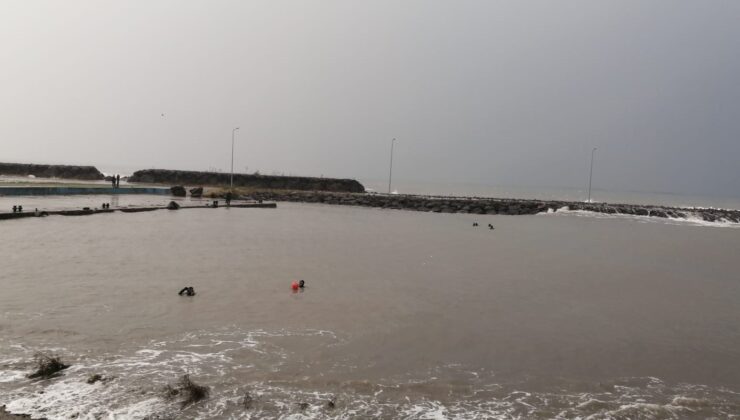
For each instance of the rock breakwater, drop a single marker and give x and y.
(88, 173)
(196, 178)
(478, 205)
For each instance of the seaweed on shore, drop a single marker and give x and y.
(47, 366)
(189, 390)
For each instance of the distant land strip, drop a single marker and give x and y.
(271, 182)
(88, 173)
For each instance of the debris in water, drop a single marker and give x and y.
(47, 366)
(191, 392)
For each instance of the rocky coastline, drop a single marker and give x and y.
(197, 178)
(87, 173)
(479, 205)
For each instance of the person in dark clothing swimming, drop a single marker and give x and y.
(187, 291)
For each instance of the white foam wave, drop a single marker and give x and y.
(690, 220)
(133, 384)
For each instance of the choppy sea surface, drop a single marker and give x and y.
(405, 315)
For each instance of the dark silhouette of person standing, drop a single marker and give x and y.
(118, 181)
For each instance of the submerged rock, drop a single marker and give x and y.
(47, 366)
(94, 378)
(178, 191)
(189, 391)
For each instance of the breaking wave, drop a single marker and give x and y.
(132, 387)
(689, 220)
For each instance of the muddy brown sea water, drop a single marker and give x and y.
(405, 315)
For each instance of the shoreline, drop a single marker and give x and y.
(412, 202)
(420, 203)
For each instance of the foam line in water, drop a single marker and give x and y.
(690, 220)
(135, 381)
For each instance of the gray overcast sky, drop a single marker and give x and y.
(508, 93)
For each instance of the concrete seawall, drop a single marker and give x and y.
(30, 190)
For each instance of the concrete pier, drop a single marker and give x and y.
(87, 212)
(63, 190)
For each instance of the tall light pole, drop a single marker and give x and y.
(591, 173)
(231, 181)
(390, 173)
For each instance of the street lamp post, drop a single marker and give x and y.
(591, 173)
(390, 172)
(231, 181)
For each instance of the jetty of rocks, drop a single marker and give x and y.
(482, 205)
(88, 173)
(198, 178)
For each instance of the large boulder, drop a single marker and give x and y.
(178, 191)
(196, 192)
(658, 213)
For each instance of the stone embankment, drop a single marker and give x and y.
(477, 205)
(196, 178)
(88, 173)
